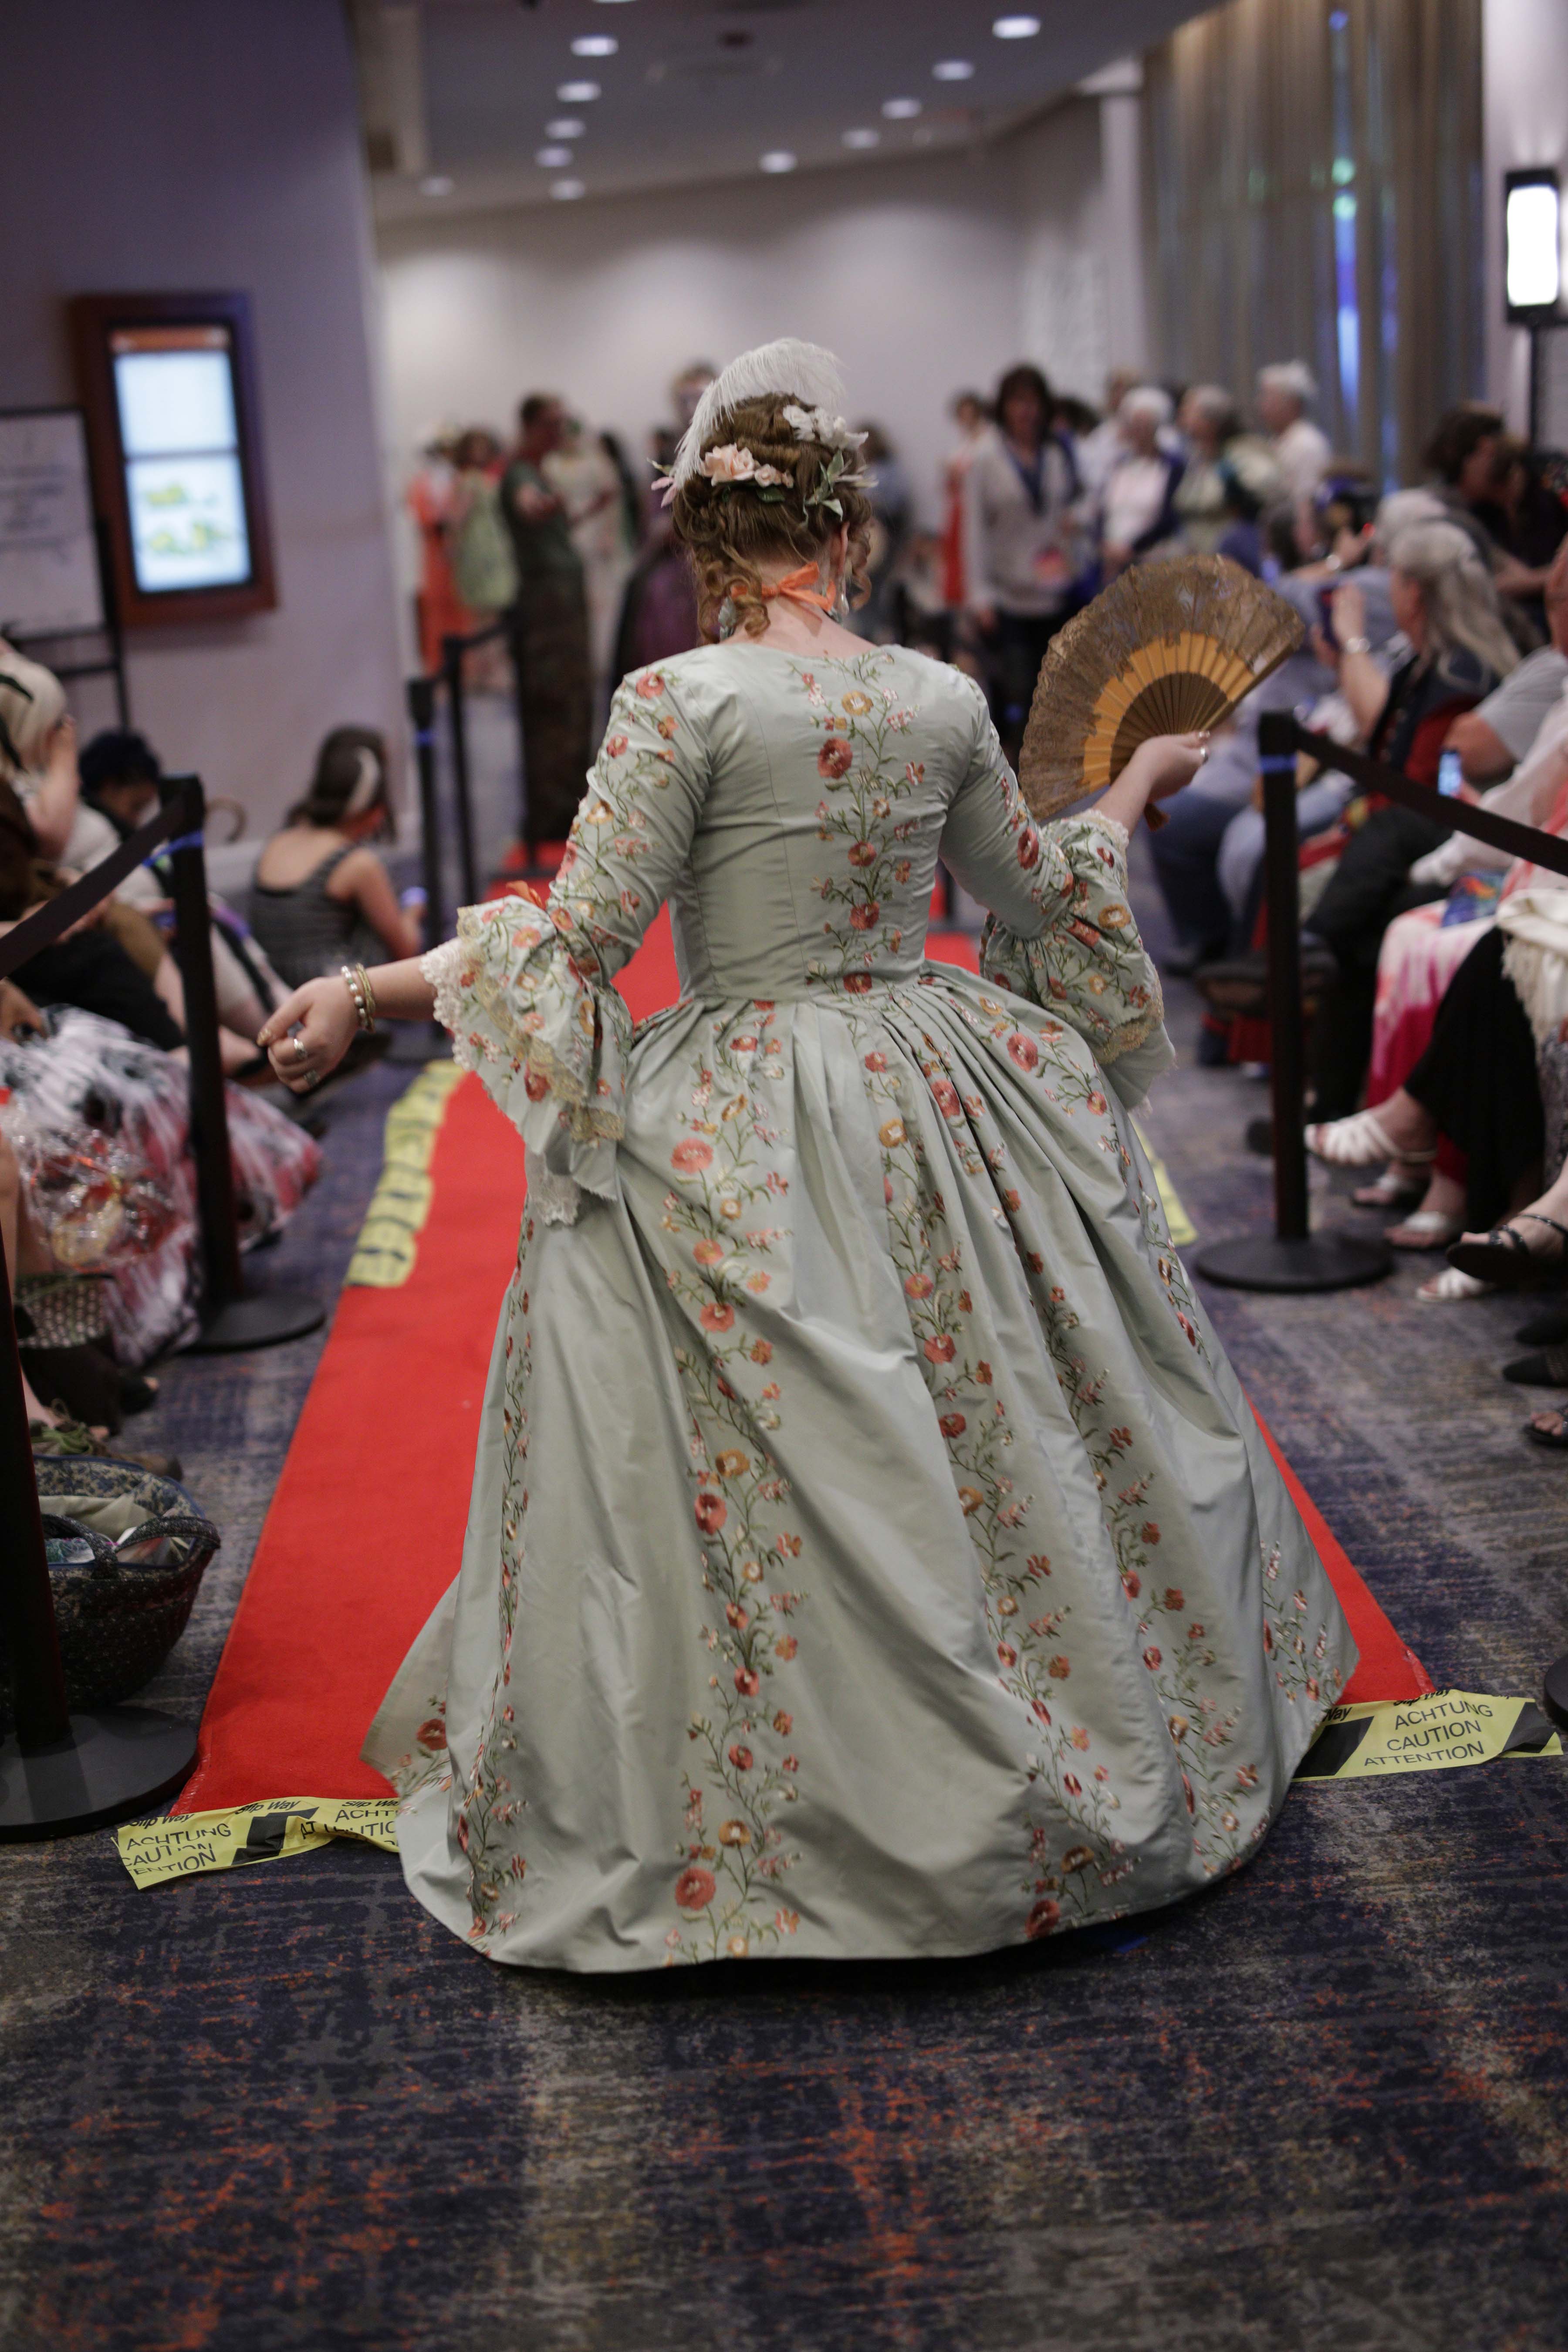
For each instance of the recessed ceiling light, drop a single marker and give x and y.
(577, 93)
(437, 184)
(778, 159)
(565, 126)
(900, 109)
(552, 158)
(862, 139)
(1015, 28)
(953, 70)
(594, 45)
(565, 191)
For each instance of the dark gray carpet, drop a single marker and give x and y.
(1324, 2106)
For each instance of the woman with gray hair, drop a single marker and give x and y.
(1447, 607)
(1136, 509)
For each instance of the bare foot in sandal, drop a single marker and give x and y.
(1440, 1220)
(1399, 1131)
(1528, 1251)
(1549, 1429)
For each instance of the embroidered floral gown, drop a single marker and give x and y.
(871, 1552)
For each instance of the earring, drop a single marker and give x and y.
(729, 619)
(841, 609)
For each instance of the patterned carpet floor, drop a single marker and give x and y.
(1326, 2105)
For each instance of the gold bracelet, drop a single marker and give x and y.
(353, 977)
(369, 995)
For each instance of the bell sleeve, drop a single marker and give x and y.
(1060, 933)
(527, 990)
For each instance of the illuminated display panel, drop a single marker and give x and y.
(169, 389)
(179, 430)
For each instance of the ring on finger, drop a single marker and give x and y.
(300, 1048)
(313, 1078)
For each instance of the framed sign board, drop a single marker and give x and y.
(168, 388)
(50, 584)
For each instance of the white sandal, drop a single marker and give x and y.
(1427, 1229)
(1361, 1141)
(1443, 1289)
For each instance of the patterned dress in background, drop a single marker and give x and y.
(871, 1552)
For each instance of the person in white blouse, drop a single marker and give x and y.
(1285, 392)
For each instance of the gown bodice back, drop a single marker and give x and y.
(826, 785)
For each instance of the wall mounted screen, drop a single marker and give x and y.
(169, 389)
(184, 483)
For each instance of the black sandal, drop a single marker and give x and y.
(1506, 1259)
(1556, 1439)
(1549, 1370)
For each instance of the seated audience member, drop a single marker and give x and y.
(120, 779)
(1422, 949)
(1285, 392)
(1136, 507)
(1209, 851)
(90, 967)
(1445, 606)
(1528, 522)
(321, 897)
(1477, 1085)
(1208, 422)
(1342, 526)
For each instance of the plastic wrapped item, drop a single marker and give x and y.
(100, 1123)
(92, 1202)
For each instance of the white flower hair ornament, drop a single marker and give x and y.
(812, 375)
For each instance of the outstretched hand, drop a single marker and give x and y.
(1169, 761)
(310, 1034)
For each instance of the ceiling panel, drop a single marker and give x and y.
(702, 89)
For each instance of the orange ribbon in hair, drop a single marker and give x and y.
(800, 588)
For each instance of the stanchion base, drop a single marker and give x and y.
(262, 1320)
(1554, 1690)
(118, 1761)
(1319, 1262)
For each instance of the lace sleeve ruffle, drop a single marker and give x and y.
(548, 1042)
(1089, 966)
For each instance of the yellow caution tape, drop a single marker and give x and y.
(1183, 1229)
(389, 1238)
(184, 1844)
(1426, 1735)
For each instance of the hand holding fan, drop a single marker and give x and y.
(1166, 649)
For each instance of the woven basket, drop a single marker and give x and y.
(123, 1589)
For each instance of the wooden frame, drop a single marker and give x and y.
(225, 319)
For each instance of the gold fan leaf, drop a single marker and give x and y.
(1167, 648)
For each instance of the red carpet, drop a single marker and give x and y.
(366, 1527)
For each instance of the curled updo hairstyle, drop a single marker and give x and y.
(730, 529)
(350, 758)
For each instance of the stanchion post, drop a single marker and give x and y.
(26, 1605)
(231, 1319)
(1287, 1027)
(452, 649)
(422, 718)
(60, 1771)
(1293, 1257)
(221, 1277)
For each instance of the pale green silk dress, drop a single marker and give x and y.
(871, 1552)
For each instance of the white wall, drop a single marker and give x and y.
(176, 146)
(1524, 49)
(924, 276)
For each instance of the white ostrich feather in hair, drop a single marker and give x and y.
(806, 371)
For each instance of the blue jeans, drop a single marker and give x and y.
(1186, 849)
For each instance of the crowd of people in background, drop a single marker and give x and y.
(1436, 622)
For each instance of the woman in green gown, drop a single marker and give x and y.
(871, 1552)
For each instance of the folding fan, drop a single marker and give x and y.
(1167, 648)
